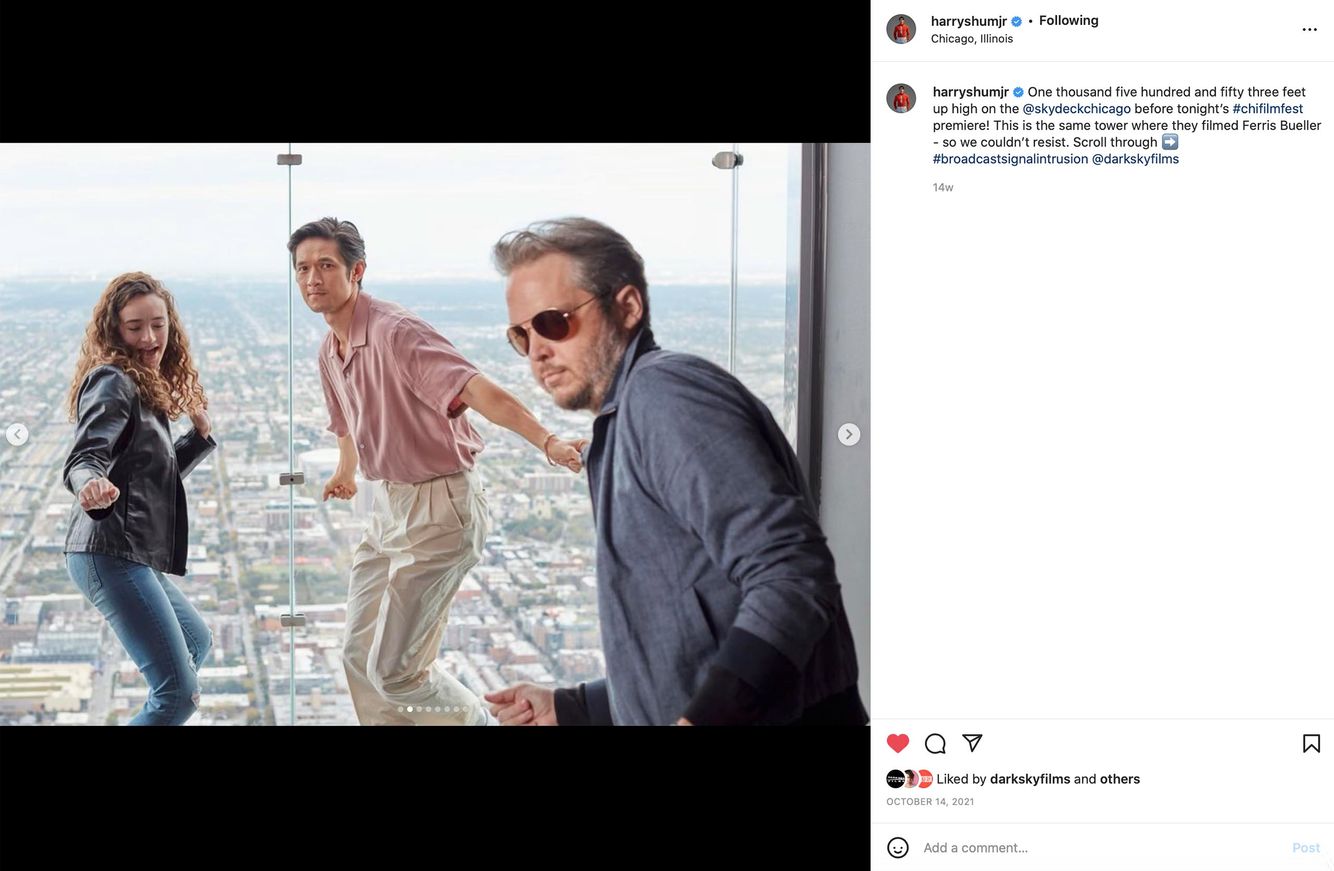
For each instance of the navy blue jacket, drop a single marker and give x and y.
(714, 579)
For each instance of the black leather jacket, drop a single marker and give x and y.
(121, 438)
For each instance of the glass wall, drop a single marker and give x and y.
(766, 311)
(199, 218)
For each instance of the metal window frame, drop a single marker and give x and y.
(813, 242)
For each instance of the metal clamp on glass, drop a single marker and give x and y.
(288, 479)
(293, 620)
(289, 159)
(728, 159)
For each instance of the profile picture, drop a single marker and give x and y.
(901, 29)
(901, 98)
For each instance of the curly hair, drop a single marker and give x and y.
(174, 386)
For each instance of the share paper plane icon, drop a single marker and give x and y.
(972, 741)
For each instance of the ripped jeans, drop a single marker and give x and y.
(161, 631)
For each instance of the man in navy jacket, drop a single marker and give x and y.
(717, 594)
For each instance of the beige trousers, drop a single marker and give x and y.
(420, 542)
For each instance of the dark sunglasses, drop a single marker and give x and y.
(552, 325)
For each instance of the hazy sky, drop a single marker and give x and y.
(195, 211)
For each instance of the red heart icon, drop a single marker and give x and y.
(898, 742)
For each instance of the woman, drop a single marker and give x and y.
(130, 523)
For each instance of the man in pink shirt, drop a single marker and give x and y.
(396, 391)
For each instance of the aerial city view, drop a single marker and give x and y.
(527, 612)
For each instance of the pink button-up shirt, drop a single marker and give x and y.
(397, 393)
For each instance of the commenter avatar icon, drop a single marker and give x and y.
(898, 848)
(901, 98)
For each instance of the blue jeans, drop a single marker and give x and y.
(161, 631)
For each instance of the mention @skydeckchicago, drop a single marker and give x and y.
(1075, 109)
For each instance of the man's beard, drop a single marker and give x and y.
(607, 355)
